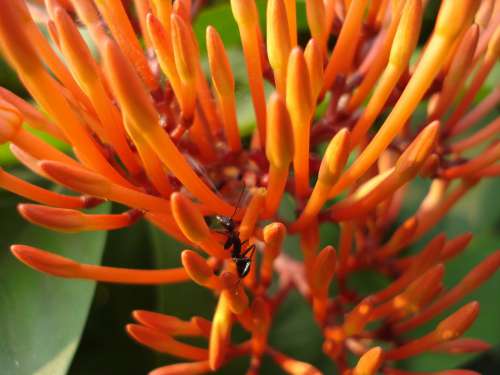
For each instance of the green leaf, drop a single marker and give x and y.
(42, 316)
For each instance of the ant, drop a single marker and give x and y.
(233, 242)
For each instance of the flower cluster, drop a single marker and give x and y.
(151, 130)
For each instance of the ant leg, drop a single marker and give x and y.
(250, 248)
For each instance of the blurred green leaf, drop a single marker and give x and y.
(42, 316)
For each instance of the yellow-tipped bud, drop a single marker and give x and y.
(185, 51)
(279, 141)
(298, 88)
(220, 68)
(454, 16)
(245, 13)
(335, 158)
(323, 271)
(252, 213)
(316, 19)
(414, 157)
(314, 61)
(278, 39)
(407, 34)
(162, 10)
(189, 218)
(197, 267)
(458, 322)
(369, 362)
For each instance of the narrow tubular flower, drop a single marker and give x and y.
(274, 235)
(322, 275)
(68, 220)
(199, 270)
(279, 43)
(220, 333)
(451, 21)
(300, 108)
(331, 167)
(246, 16)
(57, 265)
(369, 362)
(279, 151)
(223, 80)
(167, 323)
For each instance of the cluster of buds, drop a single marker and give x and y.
(150, 131)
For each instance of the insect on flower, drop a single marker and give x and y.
(234, 242)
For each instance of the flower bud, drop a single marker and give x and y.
(369, 362)
(279, 141)
(189, 218)
(197, 268)
(334, 158)
(457, 323)
(407, 34)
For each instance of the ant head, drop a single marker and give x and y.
(243, 266)
(226, 222)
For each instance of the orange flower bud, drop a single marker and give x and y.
(164, 343)
(186, 54)
(279, 146)
(316, 19)
(355, 321)
(323, 271)
(278, 41)
(167, 324)
(457, 323)
(220, 334)
(189, 218)
(314, 61)
(44, 261)
(369, 362)
(252, 213)
(454, 17)
(199, 270)
(406, 37)
(334, 158)
(245, 13)
(67, 220)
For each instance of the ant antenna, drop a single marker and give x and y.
(238, 203)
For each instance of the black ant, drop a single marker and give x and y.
(233, 242)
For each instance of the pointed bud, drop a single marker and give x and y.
(189, 218)
(278, 41)
(415, 155)
(274, 235)
(407, 34)
(323, 271)
(198, 269)
(189, 368)
(220, 68)
(186, 54)
(204, 325)
(245, 13)
(454, 16)
(370, 362)
(252, 213)
(60, 219)
(457, 323)
(334, 158)
(164, 343)
(316, 19)
(45, 261)
(220, 334)
(168, 324)
(279, 142)
(355, 321)
(314, 61)
(298, 89)
(76, 178)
